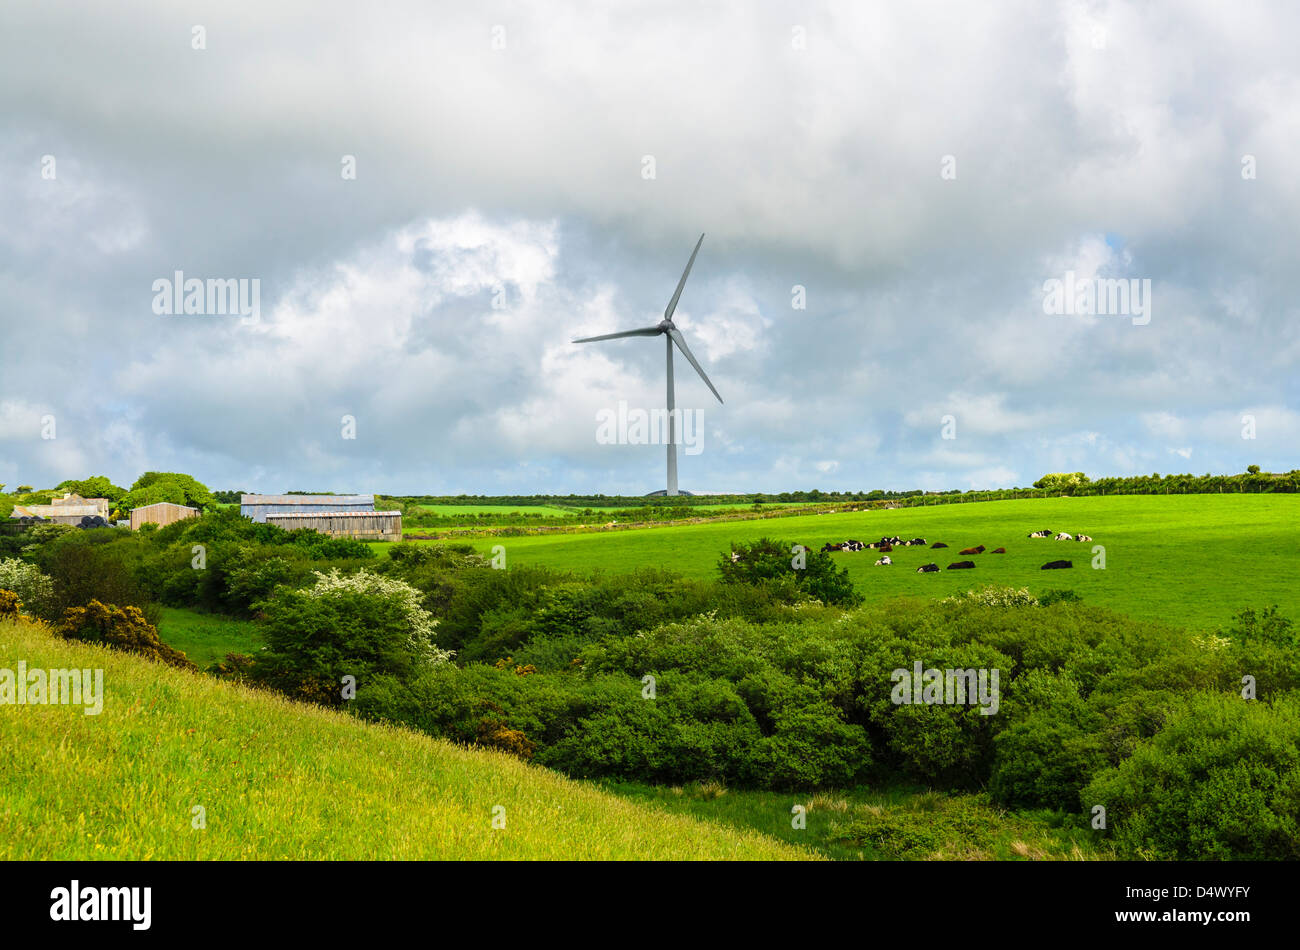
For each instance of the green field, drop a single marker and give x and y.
(1192, 560)
(281, 780)
(207, 638)
(456, 511)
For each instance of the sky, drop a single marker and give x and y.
(435, 199)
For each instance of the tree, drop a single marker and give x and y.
(97, 486)
(775, 562)
(1253, 469)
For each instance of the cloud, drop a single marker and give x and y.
(1081, 140)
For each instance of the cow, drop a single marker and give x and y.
(1056, 565)
(828, 547)
(1045, 533)
(927, 569)
(961, 565)
(938, 544)
(853, 545)
(917, 541)
(969, 551)
(999, 550)
(886, 547)
(884, 561)
(1065, 536)
(1082, 537)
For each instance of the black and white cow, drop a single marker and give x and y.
(1045, 533)
(1082, 537)
(1065, 536)
(884, 561)
(927, 569)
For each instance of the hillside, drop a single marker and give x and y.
(1192, 560)
(278, 779)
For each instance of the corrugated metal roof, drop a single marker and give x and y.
(162, 504)
(340, 500)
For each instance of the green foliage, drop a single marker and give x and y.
(175, 487)
(777, 564)
(1219, 781)
(34, 589)
(1062, 481)
(97, 486)
(361, 625)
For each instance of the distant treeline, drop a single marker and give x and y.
(1078, 484)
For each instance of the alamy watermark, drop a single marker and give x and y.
(624, 426)
(933, 687)
(57, 687)
(215, 296)
(1098, 296)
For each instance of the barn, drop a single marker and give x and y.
(69, 509)
(258, 507)
(362, 525)
(161, 513)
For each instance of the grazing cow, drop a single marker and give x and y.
(1045, 533)
(938, 544)
(1065, 536)
(927, 569)
(1056, 565)
(961, 565)
(884, 561)
(999, 550)
(1082, 537)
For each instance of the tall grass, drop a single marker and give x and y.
(279, 780)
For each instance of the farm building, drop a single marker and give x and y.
(69, 509)
(162, 514)
(363, 525)
(258, 507)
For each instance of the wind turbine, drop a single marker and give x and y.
(671, 335)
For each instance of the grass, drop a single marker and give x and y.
(453, 511)
(280, 780)
(1190, 560)
(207, 638)
(880, 825)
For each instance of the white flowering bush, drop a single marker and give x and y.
(421, 622)
(994, 596)
(35, 591)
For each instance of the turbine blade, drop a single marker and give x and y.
(672, 304)
(645, 331)
(681, 345)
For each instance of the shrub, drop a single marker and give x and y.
(773, 563)
(34, 589)
(123, 628)
(1220, 780)
(994, 596)
(10, 606)
(358, 625)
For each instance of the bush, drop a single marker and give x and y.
(359, 625)
(768, 562)
(123, 628)
(34, 589)
(1219, 781)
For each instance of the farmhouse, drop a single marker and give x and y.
(161, 513)
(69, 509)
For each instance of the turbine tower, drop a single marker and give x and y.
(671, 335)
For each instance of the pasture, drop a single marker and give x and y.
(280, 780)
(1190, 560)
(207, 638)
